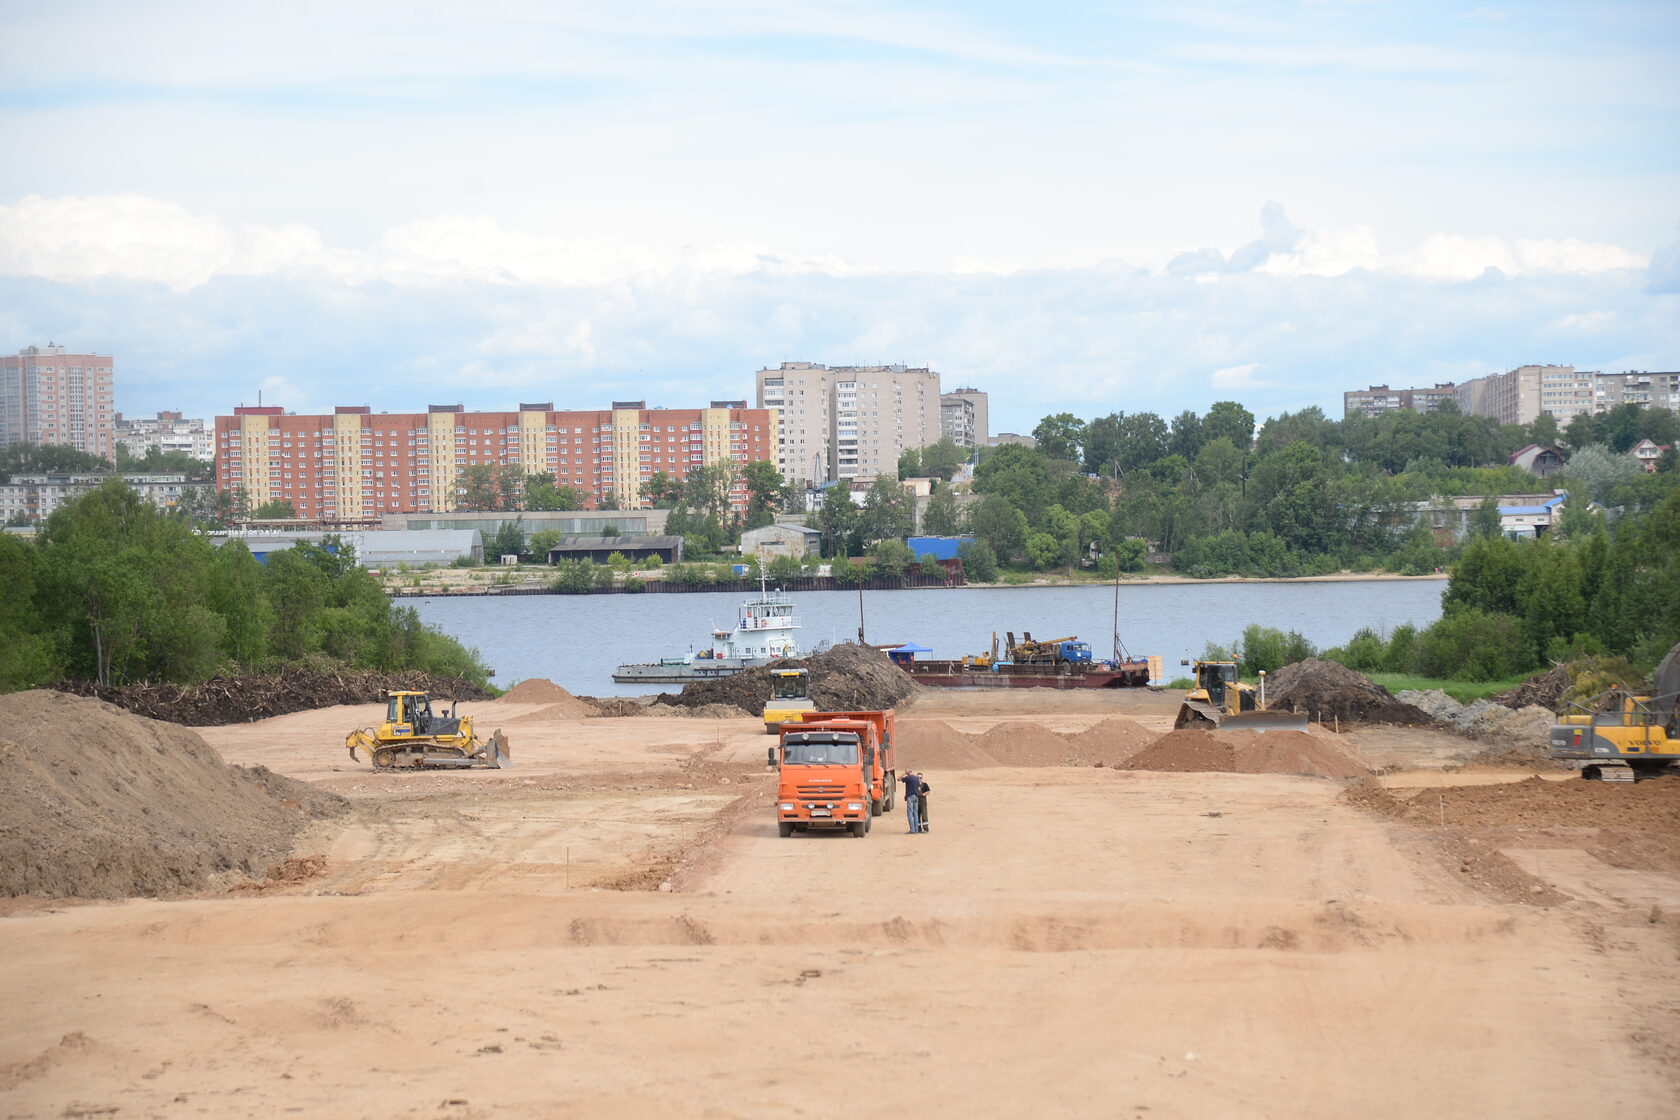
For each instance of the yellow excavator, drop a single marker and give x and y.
(1221, 702)
(414, 737)
(1623, 734)
(790, 694)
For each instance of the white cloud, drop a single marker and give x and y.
(1237, 377)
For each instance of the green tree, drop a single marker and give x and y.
(507, 540)
(662, 490)
(942, 460)
(279, 509)
(889, 511)
(1003, 527)
(1061, 436)
(542, 542)
(1228, 420)
(837, 520)
(542, 494)
(475, 488)
(890, 558)
(48, 458)
(1485, 523)
(28, 659)
(979, 561)
(941, 518)
(909, 463)
(767, 492)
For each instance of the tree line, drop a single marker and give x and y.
(116, 591)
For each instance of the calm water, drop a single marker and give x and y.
(576, 641)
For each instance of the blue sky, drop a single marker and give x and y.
(1076, 207)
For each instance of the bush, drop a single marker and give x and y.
(574, 577)
(1364, 652)
(1472, 645)
(979, 561)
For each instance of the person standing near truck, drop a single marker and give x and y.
(913, 799)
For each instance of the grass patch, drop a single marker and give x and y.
(1462, 691)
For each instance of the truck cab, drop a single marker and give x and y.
(824, 775)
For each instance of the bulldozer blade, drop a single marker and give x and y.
(1264, 721)
(496, 750)
(1192, 713)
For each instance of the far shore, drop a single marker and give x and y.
(1335, 577)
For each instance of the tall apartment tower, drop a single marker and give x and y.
(963, 417)
(359, 465)
(1520, 396)
(848, 422)
(50, 396)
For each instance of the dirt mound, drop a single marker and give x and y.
(536, 690)
(99, 803)
(1545, 689)
(1114, 740)
(931, 744)
(1192, 750)
(1022, 743)
(1324, 690)
(696, 711)
(1652, 806)
(847, 678)
(226, 700)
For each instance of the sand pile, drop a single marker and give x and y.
(1324, 690)
(1192, 750)
(847, 678)
(931, 744)
(1524, 728)
(1652, 806)
(561, 704)
(1113, 740)
(100, 803)
(248, 699)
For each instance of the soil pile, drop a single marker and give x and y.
(1545, 689)
(561, 704)
(1324, 690)
(847, 678)
(247, 699)
(931, 744)
(1193, 750)
(1023, 743)
(98, 803)
(1113, 740)
(1652, 806)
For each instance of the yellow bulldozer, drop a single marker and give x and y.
(790, 694)
(1625, 734)
(1221, 702)
(414, 737)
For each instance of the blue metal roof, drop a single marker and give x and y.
(939, 548)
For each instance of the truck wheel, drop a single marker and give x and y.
(857, 828)
(785, 828)
(874, 806)
(892, 790)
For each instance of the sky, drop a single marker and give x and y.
(1079, 207)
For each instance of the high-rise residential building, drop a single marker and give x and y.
(1379, 399)
(1654, 390)
(50, 396)
(963, 417)
(357, 465)
(1520, 396)
(168, 431)
(848, 422)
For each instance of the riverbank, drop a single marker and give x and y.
(538, 580)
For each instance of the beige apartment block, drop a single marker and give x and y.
(1520, 396)
(848, 422)
(50, 396)
(963, 417)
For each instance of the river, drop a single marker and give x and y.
(577, 640)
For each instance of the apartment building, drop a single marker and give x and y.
(963, 417)
(357, 464)
(1379, 399)
(1653, 390)
(168, 431)
(848, 422)
(35, 497)
(50, 396)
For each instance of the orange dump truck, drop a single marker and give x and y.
(836, 769)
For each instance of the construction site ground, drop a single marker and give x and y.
(613, 928)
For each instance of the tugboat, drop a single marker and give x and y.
(763, 633)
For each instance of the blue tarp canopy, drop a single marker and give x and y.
(910, 647)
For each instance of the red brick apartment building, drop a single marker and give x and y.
(49, 396)
(357, 464)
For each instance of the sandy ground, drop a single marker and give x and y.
(613, 928)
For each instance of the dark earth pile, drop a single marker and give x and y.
(1545, 689)
(98, 803)
(847, 678)
(247, 699)
(1324, 690)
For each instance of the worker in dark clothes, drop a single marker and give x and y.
(922, 799)
(913, 799)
